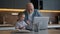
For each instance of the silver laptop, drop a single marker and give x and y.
(42, 22)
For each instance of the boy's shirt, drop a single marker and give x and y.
(20, 24)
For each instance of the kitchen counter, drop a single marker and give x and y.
(54, 26)
(13, 28)
(3, 25)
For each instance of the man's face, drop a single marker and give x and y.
(30, 8)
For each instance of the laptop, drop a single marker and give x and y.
(42, 22)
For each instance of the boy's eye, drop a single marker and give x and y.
(23, 16)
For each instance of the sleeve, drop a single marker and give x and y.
(26, 16)
(17, 26)
(25, 24)
(38, 14)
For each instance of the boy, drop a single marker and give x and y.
(20, 23)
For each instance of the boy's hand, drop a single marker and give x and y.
(21, 27)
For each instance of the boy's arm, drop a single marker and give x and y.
(17, 26)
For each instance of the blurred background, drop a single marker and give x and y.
(48, 8)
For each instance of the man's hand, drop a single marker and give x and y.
(28, 22)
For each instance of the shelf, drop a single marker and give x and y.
(21, 10)
(12, 10)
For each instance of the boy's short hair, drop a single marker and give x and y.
(20, 14)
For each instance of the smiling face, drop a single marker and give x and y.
(30, 7)
(22, 17)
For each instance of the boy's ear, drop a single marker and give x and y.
(18, 18)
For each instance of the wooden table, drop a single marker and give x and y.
(53, 31)
(14, 32)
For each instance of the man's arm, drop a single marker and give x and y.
(38, 13)
(26, 18)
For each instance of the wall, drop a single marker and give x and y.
(47, 4)
(13, 3)
(51, 4)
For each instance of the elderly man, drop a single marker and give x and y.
(30, 13)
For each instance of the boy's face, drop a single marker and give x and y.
(22, 17)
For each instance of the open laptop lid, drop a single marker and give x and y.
(42, 22)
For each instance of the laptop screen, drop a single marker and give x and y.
(42, 22)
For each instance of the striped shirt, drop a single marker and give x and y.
(20, 24)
